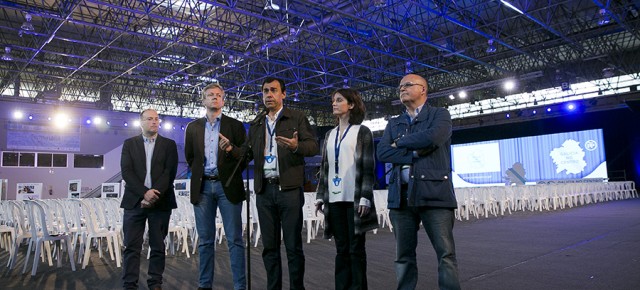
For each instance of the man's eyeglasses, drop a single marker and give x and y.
(408, 85)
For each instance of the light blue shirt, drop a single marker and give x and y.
(211, 138)
(149, 145)
(406, 169)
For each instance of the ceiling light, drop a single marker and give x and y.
(271, 6)
(511, 6)
(7, 54)
(603, 17)
(462, 94)
(509, 85)
(491, 48)
(379, 3)
(27, 26)
(452, 97)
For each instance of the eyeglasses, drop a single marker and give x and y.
(408, 85)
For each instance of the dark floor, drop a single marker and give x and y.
(590, 247)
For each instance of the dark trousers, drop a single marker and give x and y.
(133, 226)
(280, 215)
(351, 256)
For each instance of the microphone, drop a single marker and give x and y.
(260, 116)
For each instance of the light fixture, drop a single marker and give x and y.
(18, 115)
(7, 54)
(271, 6)
(491, 48)
(407, 68)
(511, 6)
(27, 26)
(293, 35)
(509, 85)
(379, 3)
(186, 82)
(603, 17)
(452, 97)
(608, 72)
(462, 94)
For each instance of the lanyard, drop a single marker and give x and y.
(272, 131)
(337, 146)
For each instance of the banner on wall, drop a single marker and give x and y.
(28, 191)
(182, 187)
(111, 190)
(40, 137)
(74, 188)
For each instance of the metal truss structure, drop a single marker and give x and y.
(126, 55)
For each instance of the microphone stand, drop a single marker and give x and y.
(245, 149)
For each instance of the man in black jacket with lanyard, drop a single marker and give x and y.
(279, 143)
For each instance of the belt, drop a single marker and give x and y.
(210, 177)
(272, 180)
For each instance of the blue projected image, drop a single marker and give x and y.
(526, 160)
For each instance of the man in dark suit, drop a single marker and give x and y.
(211, 153)
(279, 142)
(149, 163)
(418, 144)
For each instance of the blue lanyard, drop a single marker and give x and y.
(271, 131)
(337, 145)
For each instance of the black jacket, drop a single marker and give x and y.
(290, 164)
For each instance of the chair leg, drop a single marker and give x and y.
(34, 268)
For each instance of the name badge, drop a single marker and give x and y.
(269, 158)
(336, 181)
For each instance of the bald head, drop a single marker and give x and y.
(413, 91)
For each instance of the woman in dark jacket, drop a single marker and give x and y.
(345, 188)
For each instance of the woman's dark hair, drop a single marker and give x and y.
(356, 116)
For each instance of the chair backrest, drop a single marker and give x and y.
(37, 215)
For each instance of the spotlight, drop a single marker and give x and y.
(108, 123)
(88, 121)
(509, 85)
(167, 126)
(136, 123)
(27, 26)
(30, 117)
(452, 97)
(603, 17)
(61, 120)
(97, 120)
(534, 112)
(18, 115)
(7, 54)
(379, 3)
(491, 48)
(548, 110)
(462, 94)
(508, 115)
(126, 124)
(271, 6)
(182, 128)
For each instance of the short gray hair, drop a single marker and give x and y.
(211, 86)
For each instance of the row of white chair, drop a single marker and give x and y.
(496, 200)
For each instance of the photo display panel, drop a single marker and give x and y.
(571, 155)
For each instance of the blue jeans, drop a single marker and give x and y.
(213, 197)
(438, 223)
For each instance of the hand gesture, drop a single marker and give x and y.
(290, 143)
(224, 143)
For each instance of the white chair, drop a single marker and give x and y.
(95, 233)
(380, 200)
(40, 231)
(311, 221)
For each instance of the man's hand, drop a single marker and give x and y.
(289, 143)
(150, 197)
(224, 143)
